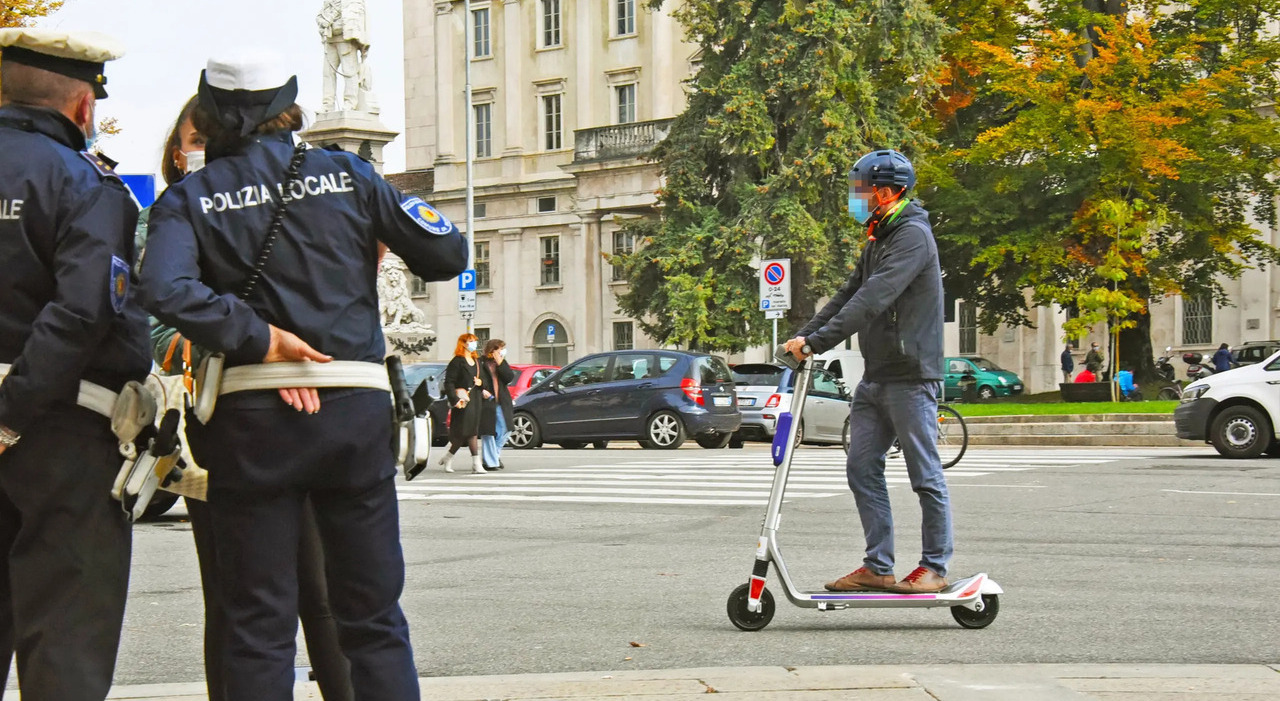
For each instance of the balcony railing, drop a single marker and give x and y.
(619, 141)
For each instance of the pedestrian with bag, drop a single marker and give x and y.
(495, 423)
(893, 302)
(463, 387)
(267, 257)
(71, 336)
(184, 152)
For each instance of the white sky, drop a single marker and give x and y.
(169, 42)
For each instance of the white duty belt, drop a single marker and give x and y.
(95, 398)
(334, 374)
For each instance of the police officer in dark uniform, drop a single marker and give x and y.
(236, 276)
(68, 332)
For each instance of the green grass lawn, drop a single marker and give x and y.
(1043, 408)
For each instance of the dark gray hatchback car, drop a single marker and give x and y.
(658, 397)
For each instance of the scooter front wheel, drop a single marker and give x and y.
(744, 618)
(968, 618)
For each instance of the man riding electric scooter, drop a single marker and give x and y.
(893, 301)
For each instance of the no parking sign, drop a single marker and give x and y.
(775, 284)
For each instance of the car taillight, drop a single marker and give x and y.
(692, 389)
(774, 400)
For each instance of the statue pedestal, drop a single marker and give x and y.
(360, 133)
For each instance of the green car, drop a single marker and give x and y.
(990, 379)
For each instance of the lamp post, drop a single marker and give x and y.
(468, 39)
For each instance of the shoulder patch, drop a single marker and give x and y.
(426, 216)
(99, 164)
(119, 283)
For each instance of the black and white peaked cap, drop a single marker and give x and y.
(246, 88)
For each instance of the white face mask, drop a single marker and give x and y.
(502, 352)
(195, 160)
(471, 346)
(91, 132)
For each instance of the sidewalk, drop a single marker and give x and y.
(955, 682)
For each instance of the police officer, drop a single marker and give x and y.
(270, 254)
(68, 332)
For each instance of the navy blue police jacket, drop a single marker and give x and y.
(320, 282)
(66, 256)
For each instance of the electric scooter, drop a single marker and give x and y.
(974, 601)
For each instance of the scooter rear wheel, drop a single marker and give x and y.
(746, 619)
(968, 618)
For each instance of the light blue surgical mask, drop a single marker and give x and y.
(471, 346)
(859, 208)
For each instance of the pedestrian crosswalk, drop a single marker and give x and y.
(719, 478)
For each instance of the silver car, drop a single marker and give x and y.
(764, 392)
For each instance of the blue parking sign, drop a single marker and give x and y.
(467, 281)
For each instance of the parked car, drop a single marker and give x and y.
(765, 391)
(847, 365)
(1253, 352)
(1237, 411)
(658, 397)
(424, 381)
(527, 376)
(990, 380)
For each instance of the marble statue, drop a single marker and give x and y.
(344, 29)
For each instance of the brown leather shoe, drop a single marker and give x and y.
(922, 580)
(861, 579)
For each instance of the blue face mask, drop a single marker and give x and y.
(859, 208)
(471, 346)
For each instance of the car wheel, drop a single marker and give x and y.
(600, 445)
(573, 445)
(159, 506)
(714, 441)
(665, 430)
(524, 432)
(1241, 431)
(846, 437)
(986, 392)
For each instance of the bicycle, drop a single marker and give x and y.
(953, 438)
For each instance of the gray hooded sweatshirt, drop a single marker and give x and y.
(893, 301)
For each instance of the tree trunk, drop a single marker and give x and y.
(1136, 355)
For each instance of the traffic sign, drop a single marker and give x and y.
(467, 301)
(774, 314)
(775, 284)
(467, 281)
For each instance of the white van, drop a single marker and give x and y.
(846, 365)
(1237, 411)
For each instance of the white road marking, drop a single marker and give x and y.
(1229, 494)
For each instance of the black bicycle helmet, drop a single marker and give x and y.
(883, 169)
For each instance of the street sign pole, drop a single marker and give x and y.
(468, 115)
(775, 291)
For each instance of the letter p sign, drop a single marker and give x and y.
(467, 281)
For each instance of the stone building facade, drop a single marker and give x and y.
(567, 95)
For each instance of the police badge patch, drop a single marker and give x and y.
(119, 283)
(426, 216)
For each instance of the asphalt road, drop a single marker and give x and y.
(619, 559)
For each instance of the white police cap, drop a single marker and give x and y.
(78, 55)
(246, 88)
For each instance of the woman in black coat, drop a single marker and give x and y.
(463, 391)
(495, 421)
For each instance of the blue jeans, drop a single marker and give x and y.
(492, 445)
(909, 411)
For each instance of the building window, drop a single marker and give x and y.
(968, 328)
(550, 260)
(626, 97)
(482, 265)
(551, 344)
(626, 11)
(624, 335)
(1071, 312)
(482, 335)
(624, 243)
(417, 286)
(551, 122)
(484, 130)
(546, 204)
(480, 47)
(550, 23)
(1197, 320)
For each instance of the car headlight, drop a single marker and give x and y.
(1194, 392)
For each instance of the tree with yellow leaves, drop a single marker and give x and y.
(21, 13)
